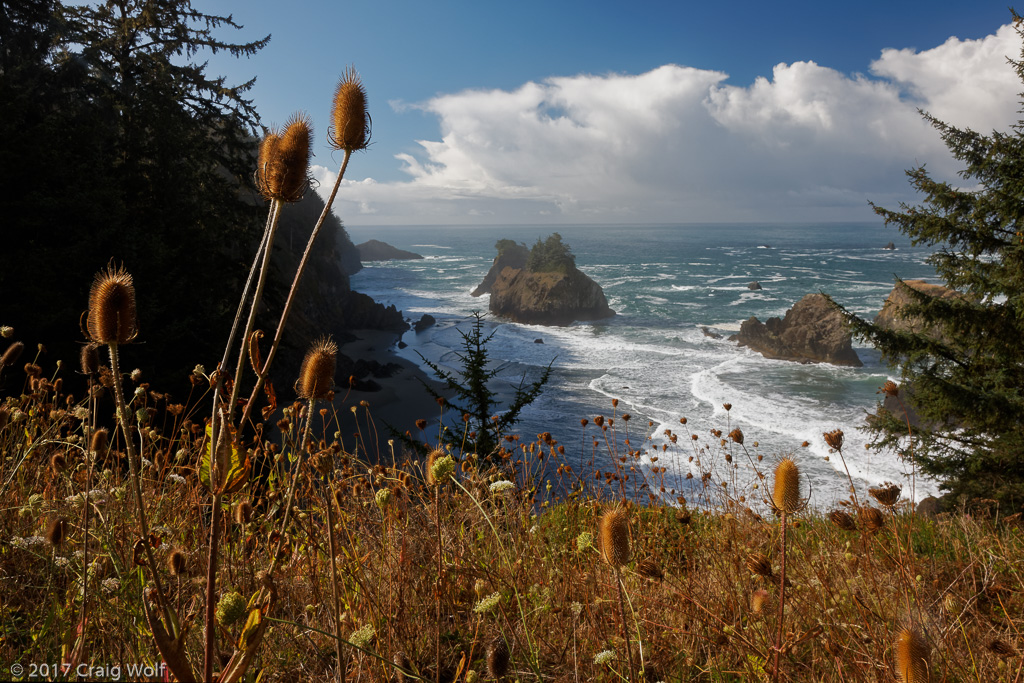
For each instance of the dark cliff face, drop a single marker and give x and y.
(512, 256)
(811, 332)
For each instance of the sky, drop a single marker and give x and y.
(561, 112)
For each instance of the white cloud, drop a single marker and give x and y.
(680, 144)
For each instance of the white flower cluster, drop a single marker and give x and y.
(175, 478)
(501, 486)
(604, 657)
(61, 561)
(488, 603)
(363, 636)
(110, 585)
(22, 543)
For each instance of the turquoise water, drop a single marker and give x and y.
(665, 282)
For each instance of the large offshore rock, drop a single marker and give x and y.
(547, 298)
(811, 332)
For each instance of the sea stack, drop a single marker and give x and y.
(542, 285)
(811, 332)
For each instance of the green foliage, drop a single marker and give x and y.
(503, 244)
(118, 144)
(966, 373)
(550, 256)
(472, 396)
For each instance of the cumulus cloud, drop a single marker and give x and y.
(681, 144)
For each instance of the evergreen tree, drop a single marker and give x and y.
(473, 398)
(550, 256)
(117, 144)
(965, 369)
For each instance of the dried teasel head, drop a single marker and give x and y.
(872, 518)
(911, 656)
(283, 170)
(888, 494)
(58, 463)
(759, 564)
(834, 439)
(99, 441)
(350, 118)
(401, 661)
(89, 359)
(12, 354)
(843, 520)
(736, 435)
(316, 377)
(890, 388)
(1001, 648)
(497, 658)
(177, 562)
(786, 493)
(758, 599)
(111, 317)
(57, 532)
(613, 537)
(649, 569)
(243, 512)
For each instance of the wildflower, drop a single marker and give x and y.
(604, 657)
(383, 498)
(361, 638)
(501, 486)
(441, 469)
(110, 585)
(584, 540)
(487, 604)
(23, 543)
(576, 608)
(176, 478)
(61, 562)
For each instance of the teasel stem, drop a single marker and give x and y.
(625, 630)
(440, 569)
(292, 487)
(335, 612)
(291, 295)
(216, 425)
(782, 597)
(133, 468)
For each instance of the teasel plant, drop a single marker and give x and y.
(613, 541)
(785, 501)
(440, 467)
(112, 320)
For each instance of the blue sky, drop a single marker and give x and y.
(548, 112)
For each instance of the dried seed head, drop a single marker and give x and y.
(497, 658)
(758, 600)
(786, 494)
(872, 518)
(58, 463)
(112, 318)
(834, 439)
(316, 377)
(613, 537)
(887, 494)
(433, 457)
(1001, 648)
(99, 441)
(759, 564)
(736, 435)
(648, 568)
(402, 661)
(351, 120)
(89, 360)
(911, 656)
(843, 520)
(12, 354)
(177, 562)
(57, 532)
(890, 388)
(243, 512)
(283, 171)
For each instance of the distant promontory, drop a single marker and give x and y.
(375, 250)
(542, 285)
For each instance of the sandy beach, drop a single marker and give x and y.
(400, 401)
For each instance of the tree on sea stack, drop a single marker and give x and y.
(964, 364)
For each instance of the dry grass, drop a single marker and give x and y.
(489, 571)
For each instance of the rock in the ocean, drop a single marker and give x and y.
(811, 332)
(891, 246)
(423, 323)
(510, 255)
(755, 285)
(542, 286)
(375, 250)
(893, 315)
(538, 341)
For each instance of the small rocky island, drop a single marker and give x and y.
(811, 332)
(542, 285)
(375, 250)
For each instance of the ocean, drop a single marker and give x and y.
(665, 283)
